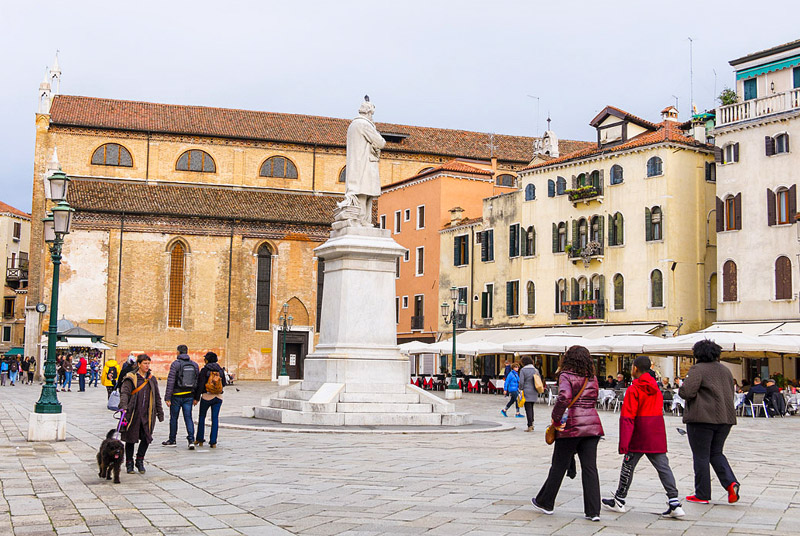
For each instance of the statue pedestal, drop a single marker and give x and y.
(47, 427)
(357, 374)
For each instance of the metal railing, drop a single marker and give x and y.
(17, 269)
(754, 108)
(417, 322)
(584, 309)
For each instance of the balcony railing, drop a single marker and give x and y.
(755, 108)
(592, 250)
(584, 309)
(417, 322)
(17, 269)
(585, 193)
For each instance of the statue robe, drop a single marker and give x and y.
(364, 145)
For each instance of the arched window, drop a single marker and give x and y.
(782, 205)
(280, 167)
(529, 244)
(583, 288)
(582, 180)
(615, 229)
(594, 179)
(616, 174)
(196, 160)
(653, 223)
(597, 229)
(712, 292)
(730, 153)
(583, 233)
(505, 180)
(655, 167)
(263, 287)
(619, 292)
(561, 295)
(531, 295)
(782, 143)
(112, 154)
(656, 289)
(530, 192)
(342, 174)
(783, 278)
(730, 287)
(562, 237)
(551, 188)
(561, 186)
(730, 213)
(177, 275)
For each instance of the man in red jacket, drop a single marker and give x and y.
(642, 432)
(82, 372)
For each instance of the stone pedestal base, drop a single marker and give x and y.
(47, 427)
(283, 381)
(452, 394)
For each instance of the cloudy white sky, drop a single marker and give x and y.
(454, 64)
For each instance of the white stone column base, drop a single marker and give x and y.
(47, 427)
(452, 394)
(283, 381)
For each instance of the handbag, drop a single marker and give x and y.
(537, 382)
(113, 401)
(521, 399)
(550, 433)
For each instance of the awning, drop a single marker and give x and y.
(17, 350)
(74, 342)
(748, 328)
(510, 335)
(767, 68)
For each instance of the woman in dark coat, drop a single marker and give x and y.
(579, 434)
(140, 398)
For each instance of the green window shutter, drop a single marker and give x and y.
(509, 298)
(620, 222)
(648, 225)
(602, 289)
(600, 222)
(575, 289)
(465, 260)
(555, 238)
(484, 304)
(532, 238)
(491, 244)
(484, 246)
(612, 241)
(457, 251)
(575, 239)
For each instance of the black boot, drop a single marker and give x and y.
(140, 465)
(129, 467)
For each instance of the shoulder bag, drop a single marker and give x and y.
(550, 433)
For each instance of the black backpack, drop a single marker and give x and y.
(186, 377)
(111, 375)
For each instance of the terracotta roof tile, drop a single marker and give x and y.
(90, 112)
(667, 131)
(453, 166)
(174, 199)
(8, 209)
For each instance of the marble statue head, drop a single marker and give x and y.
(367, 109)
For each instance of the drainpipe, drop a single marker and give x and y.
(472, 277)
(314, 169)
(147, 160)
(230, 270)
(119, 267)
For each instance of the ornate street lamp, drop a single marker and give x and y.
(56, 227)
(452, 317)
(286, 322)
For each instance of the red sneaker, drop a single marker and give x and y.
(733, 492)
(695, 499)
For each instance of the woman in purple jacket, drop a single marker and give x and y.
(579, 432)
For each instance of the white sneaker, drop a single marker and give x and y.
(614, 505)
(674, 511)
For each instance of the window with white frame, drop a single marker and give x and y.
(383, 221)
(407, 256)
(407, 214)
(421, 260)
(397, 219)
(405, 302)
(421, 217)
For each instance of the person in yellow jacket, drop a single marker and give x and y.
(110, 375)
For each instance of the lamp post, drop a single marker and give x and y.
(56, 226)
(286, 323)
(451, 317)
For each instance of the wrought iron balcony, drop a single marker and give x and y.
(585, 193)
(592, 250)
(417, 322)
(582, 310)
(761, 107)
(17, 269)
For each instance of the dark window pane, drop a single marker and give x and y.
(125, 157)
(266, 168)
(208, 163)
(291, 170)
(279, 167)
(343, 174)
(183, 162)
(112, 154)
(97, 157)
(195, 161)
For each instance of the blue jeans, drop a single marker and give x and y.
(181, 402)
(82, 382)
(13, 375)
(93, 379)
(215, 404)
(67, 380)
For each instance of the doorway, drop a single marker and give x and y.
(296, 350)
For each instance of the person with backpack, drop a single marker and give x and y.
(642, 433)
(110, 375)
(24, 366)
(181, 381)
(31, 369)
(208, 392)
(511, 388)
(531, 385)
(13, 370)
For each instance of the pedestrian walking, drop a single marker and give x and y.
(66, 364)
(3, 371)
(128, 366)
(578, 431)
(110, 375)
(511, 388)
(24, 367)
(13, 370)
(530, 381)
(208, 392)
(60, 372)
(140, 398)
(709, 416)
(82, 370)
(642, 433)
(179, 395)
(94, 373)
(31, 368)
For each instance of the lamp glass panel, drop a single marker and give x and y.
(453, 293)
(445, 309)
(61, 220)
(49, 231)
(58, 186)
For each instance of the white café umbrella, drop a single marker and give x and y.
(446, 348)
(620, 343)
(552, 343)
(731, 342)
(414, 347)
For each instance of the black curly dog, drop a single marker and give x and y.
(109, 457)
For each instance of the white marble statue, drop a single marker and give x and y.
(363, 183)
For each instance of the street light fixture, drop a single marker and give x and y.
(286, 322)
(56, 226)
(459, 310)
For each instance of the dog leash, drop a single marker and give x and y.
(121, 422)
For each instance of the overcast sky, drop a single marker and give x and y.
(457, 64)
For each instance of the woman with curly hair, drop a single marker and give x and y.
(579, 430)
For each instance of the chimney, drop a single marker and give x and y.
(699, 129)
(456, 216)
(670, 113)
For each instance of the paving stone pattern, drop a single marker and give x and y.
(265, 483)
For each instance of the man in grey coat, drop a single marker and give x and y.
(183, 373)
(527, 384)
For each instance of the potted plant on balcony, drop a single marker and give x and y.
(582, 192)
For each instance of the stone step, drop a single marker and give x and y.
(375, 388)
(298, 394)
(380, 407)
(301, 405)
(396, 419)
(395, 398)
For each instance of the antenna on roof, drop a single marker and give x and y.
(548, 119)
(691, 79)
(714, 97)
(676, 102)
(537, 113)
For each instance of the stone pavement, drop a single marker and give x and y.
(263, 483)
